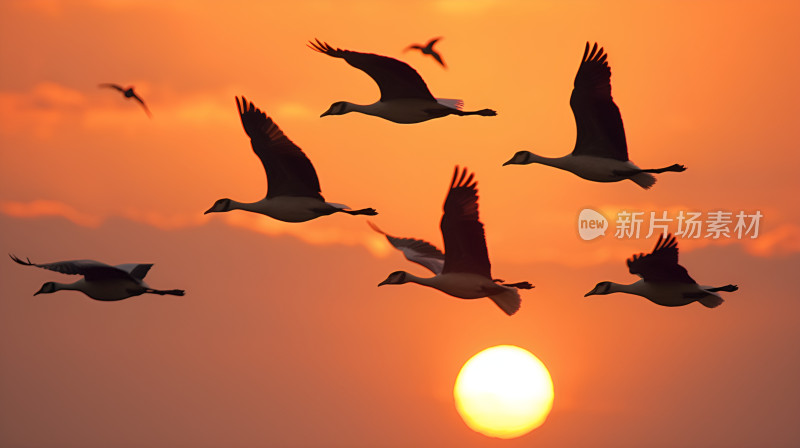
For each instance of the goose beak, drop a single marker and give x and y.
(590, 293)
(509, 162)
(211, 210)
(385, 282)
(327, 112)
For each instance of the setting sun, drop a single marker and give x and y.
(504, 391)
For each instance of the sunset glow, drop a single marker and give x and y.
(283, 338)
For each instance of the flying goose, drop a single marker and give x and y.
(404, 96)
(664, 281)
(293, 192)
(100, 281)
(601, 152)
(129, 93)
(428, 49)
(463, 270)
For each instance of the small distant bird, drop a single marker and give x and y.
(428, 49)
(664, 281)
(601, 151)
(129, 93)
(464, 270)
(101, 281)
(405, 97)
(293, 191)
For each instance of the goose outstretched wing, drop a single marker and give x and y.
(136, 270)
(289, 171)
(395, 79)
(90, 269)
(417, 251)
(112, 86)
(599, 123)
(464, 238)
(660, 265)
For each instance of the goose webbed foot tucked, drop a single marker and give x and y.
(678, 168)
(630, 173)
(363, 211)
(482, 112)
(520, 285)
(162, 292)
(674, 168)
(486, 113)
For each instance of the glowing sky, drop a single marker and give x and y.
(283, 338)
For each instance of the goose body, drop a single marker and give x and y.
(401, 110)
(100, 281)
(285, 208)
(601, 150)
(405, 98)
(428, 50)
(664, 282)
(597, 169)
(463, 270)
(128, 93)
(464, 285)
(293, 191)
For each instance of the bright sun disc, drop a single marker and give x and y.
(504, 392)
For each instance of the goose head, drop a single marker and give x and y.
(47, 288)
(222, 205)
(521, 158)
(338, 108)
(395, 278)
(600, 289)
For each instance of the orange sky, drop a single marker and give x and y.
(283, 338)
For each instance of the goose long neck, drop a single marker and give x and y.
(557, 162)
(67, 286)
(627, 289)
(248, 206)
(425, 281)
(362, 108)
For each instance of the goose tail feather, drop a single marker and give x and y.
(451, 103)
(508, 301)
(644, 180)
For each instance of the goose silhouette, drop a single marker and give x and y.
(463, 270)
(293, 191)
(601, 150)
(664, 282)
(129, 93)
(405, 97)
(428, 49)
(100, 281)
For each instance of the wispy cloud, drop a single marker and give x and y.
(311, 233)
(46, 108)
(44, 208)
(39, 111)
(783, 240)
(776, 241)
